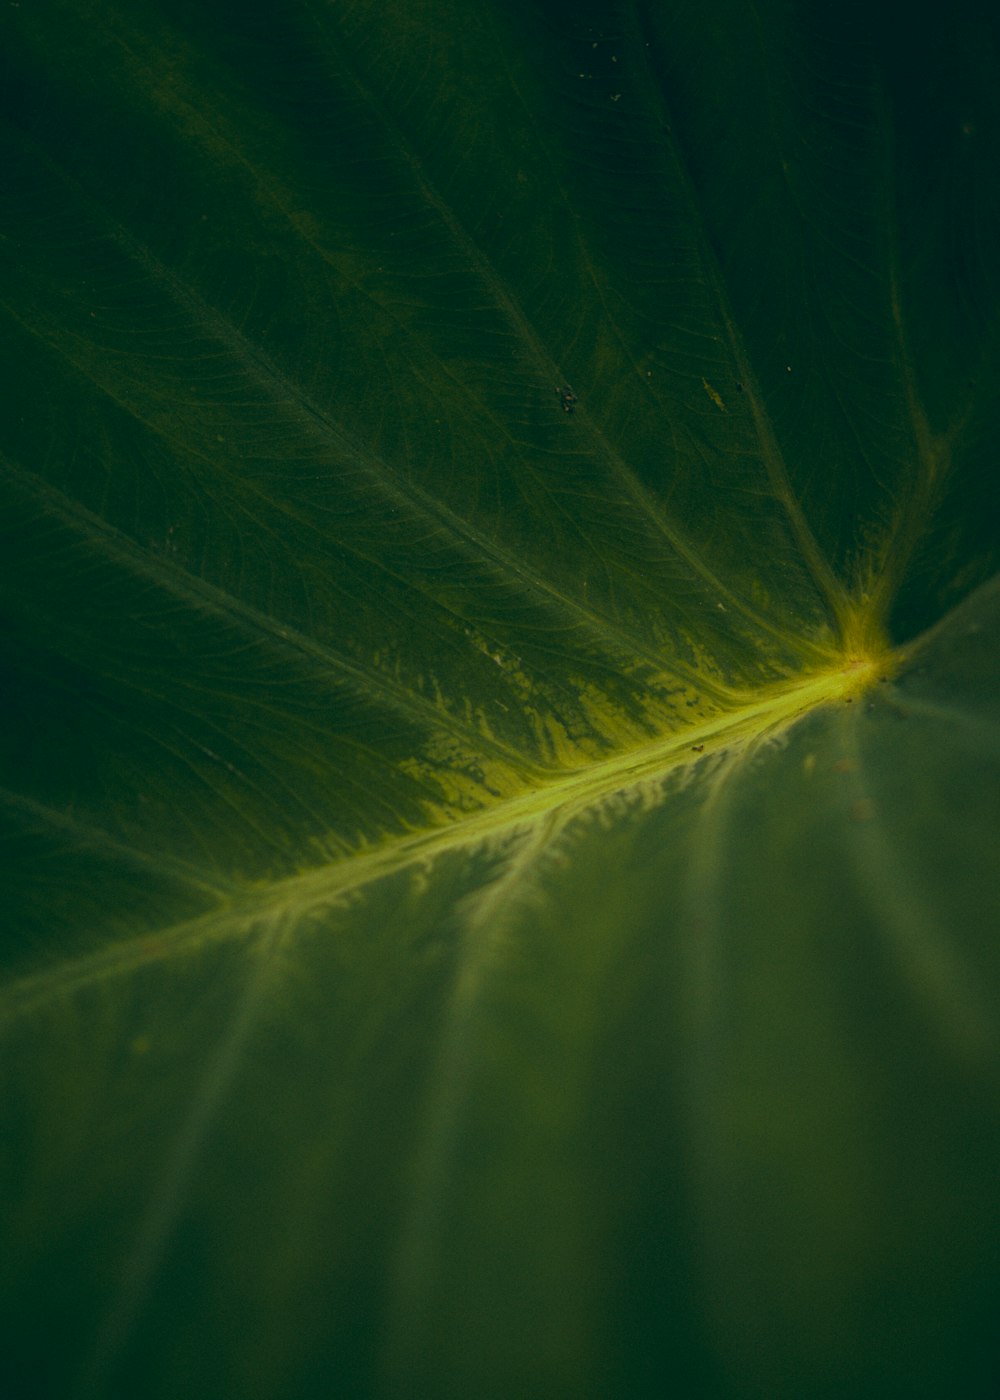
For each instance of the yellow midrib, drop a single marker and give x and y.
(768, 713)
(270, 905)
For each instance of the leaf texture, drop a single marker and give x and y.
(498, 763)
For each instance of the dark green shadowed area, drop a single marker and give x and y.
(499, 722)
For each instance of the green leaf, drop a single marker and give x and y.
(500, 703)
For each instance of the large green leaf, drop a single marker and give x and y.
(501, 699)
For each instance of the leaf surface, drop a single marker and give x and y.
(500, 724)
